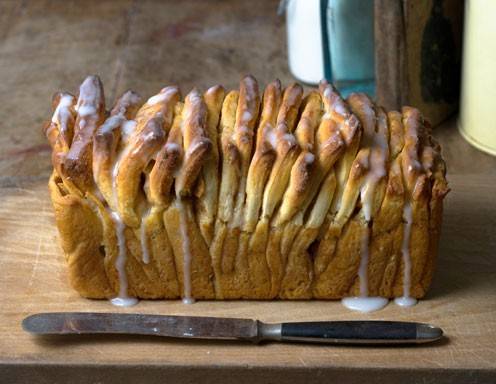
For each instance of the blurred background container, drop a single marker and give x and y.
(403, 52)
(144, 45)
(332, 39)
(477, 124)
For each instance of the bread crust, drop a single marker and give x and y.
(242, 195)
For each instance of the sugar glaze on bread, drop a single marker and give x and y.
(245, 194)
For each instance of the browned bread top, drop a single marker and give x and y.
(248, 161)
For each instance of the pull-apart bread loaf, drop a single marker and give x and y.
(244, 194)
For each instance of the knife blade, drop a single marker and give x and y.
(332, 332)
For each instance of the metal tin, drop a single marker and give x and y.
(478, 103)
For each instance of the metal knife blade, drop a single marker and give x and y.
(332, 332)
(140, 324)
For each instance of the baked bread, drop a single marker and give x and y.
(244, 195)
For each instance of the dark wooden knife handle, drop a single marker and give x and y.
(359, 332)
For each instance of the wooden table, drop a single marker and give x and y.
(46, 46)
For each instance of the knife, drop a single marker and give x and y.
(331, 332)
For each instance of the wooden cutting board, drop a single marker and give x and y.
(462, 301)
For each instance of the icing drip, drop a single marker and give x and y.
(406, 300)
(187, 299)
(61, 116)
(162, 96)
(327, 92)
(62, 113)
(110, 124)
(247, 116)
(377, 170)
(364, 304)
(289, 138)
(122, 300)
(88, 98)
(309, 158)
(86, 110)
(340, 109)
(364, 263)
(144, 240)
(270, 136)
(212, 90)
(127, 130)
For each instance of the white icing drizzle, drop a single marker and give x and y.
(162, 96)
(144, 239)
(193, 147)
(247, 116)
(289, 138)
(212, 90)
(187, 298)
(270, 136)
(115, 172)
(88, 95)
(194, 97)
(406, 300)
(172, 147)
(364, 304)
(309, 158)
(61, 116)
(86, 110)
(108, 126)
(112, 123)
(340, 108)
(127, 129)
(377, 170)
(364, 263)
(337, 105)
(122, 300)
(327, 92)
(62, 113)
(377, 164)
(242, 131)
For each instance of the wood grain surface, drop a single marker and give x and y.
(51, 45)
(462, 302)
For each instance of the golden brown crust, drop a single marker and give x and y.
(208, 186)
(167, 162)
(81, 235)
(226, 196)
(106, 142)
(60, 129)
(131, 164)
(230, 262)
(264, 156)
(90, 108)
(195, 142)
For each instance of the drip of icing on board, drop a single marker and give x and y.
(187, 298)
(123, 299)
(406, 300)
(364, 303)
(377, 160)
(183, 225)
